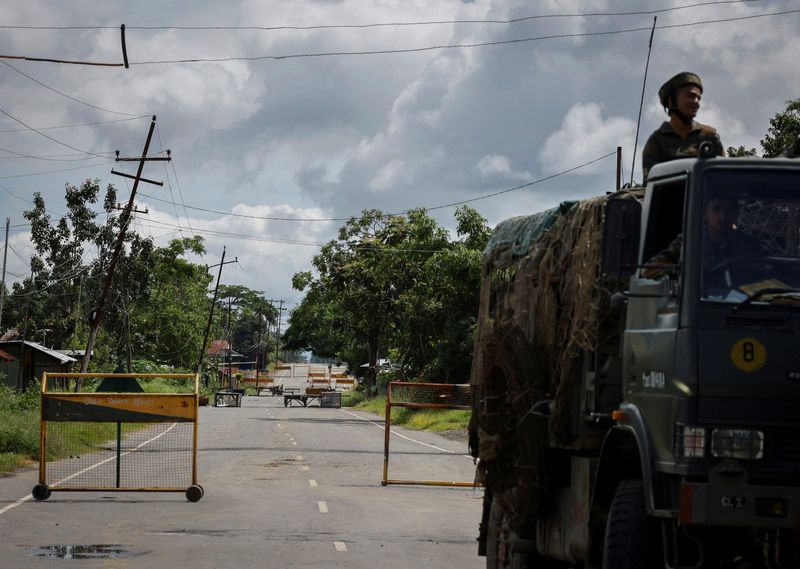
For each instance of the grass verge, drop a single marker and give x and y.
(435, 420)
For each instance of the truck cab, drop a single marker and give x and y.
(637, 375)
(711, 375)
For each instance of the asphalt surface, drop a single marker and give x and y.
(284, 487)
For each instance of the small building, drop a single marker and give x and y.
(28, 361)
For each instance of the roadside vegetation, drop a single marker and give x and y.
(434, 420)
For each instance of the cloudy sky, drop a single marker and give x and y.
(255, 137)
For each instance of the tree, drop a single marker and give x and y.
(784, 130)
(740, 152)
(782, 134)
(394, 282)
(248, 316)
(168, 326)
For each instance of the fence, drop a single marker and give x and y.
(118, 437)
(422, 396)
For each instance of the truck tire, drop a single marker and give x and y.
(499, 539)
(632, 539)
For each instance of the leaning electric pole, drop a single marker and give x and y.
(3, 280)
(221, 264)
(278, 327)
(96, 316)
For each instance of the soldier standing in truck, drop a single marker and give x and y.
(681, 135)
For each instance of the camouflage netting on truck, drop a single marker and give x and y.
(542, 301)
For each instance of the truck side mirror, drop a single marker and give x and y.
(621, 237)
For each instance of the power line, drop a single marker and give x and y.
(391, 24)
(457, 46)
(56, 171)
(68, 96)
(521, 186)
(407, 50)
(251, 237)
(48, 137)
(49, 157)
(74, 125)
(470, 200)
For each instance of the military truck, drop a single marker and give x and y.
(636, 375)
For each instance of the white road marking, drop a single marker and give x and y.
(294, 443)
(403, 436)
(305, 468)
(312, 483)
(340, 546)
(298, 457)
(15, 504)
(323, 507)
(87, 469)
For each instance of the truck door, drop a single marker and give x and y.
(653, 315)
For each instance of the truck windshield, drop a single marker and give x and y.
(751, 239)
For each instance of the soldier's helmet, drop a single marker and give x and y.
(668, 89)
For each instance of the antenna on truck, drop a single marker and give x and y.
(641, 102)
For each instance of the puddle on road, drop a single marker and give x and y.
(82, 552)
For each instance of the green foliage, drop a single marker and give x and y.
(394, 283)
(740, 152)
(784, 130)
(19, 426)
(420, 419)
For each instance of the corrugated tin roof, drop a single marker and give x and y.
(52, 353)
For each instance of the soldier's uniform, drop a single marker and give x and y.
(665, 144)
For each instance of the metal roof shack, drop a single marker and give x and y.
(30, 360)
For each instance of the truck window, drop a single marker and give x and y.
(665, 221)
(751, 237)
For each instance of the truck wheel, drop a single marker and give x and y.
(499, 539)
(632, 540)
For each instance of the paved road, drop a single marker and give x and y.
(284, 487)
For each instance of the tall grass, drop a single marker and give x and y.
(421, 419)
(19, 427)
(20, 423)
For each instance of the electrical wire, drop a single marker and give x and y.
(399, 51)
(74, 125)
(430, 208)
(48, 137)
(50, 157)
(457, 46)
(391, 24)
(20, 257)
(521, 186)
(56, 171)
(250, 237)
(169, 183)
(68, 96)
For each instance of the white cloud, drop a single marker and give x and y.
(499, 166)
(585, 134)
(330, 136)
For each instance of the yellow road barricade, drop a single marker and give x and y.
(423, 396)
(116, 435)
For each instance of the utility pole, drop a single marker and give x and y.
(222, 263)
(278, 327)
(230, 345)
(96, 316)
(3, 280)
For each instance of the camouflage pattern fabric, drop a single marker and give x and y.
(665, 144)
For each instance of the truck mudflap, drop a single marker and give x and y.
(739, 505)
